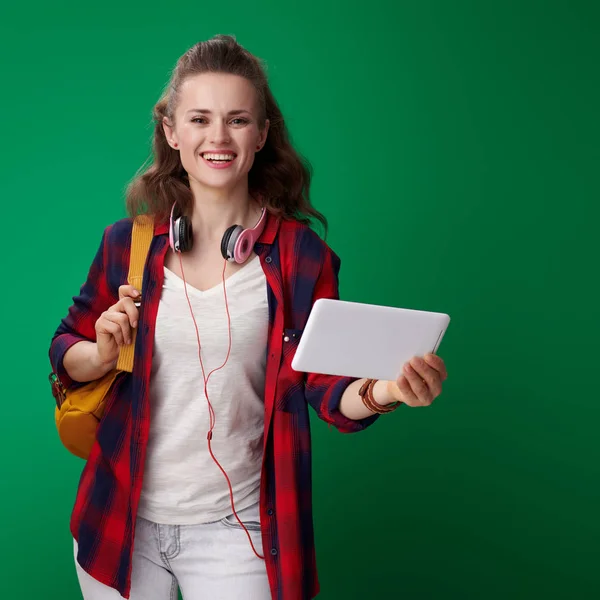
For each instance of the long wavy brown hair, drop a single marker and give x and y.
(279, 175)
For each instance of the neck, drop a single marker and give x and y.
(215, 210)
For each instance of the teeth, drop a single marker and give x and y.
(208, 156)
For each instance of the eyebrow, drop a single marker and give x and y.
(205, 111)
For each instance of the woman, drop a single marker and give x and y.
(163, 502)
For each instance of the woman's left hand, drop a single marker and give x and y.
(421, 381)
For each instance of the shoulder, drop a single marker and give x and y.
(305, 242)
(116, 237)
(305, 255)
(119, 232)
(114, 245)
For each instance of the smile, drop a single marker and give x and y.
(218, 161)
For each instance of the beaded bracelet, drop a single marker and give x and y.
(366, 393)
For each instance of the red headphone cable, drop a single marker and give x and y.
(211, 411)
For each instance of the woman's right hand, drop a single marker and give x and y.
(114, 326)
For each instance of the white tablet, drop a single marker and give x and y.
(366, 340)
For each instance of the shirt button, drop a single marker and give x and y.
(268, 259)
(270, 511)
(286, 339)
(257, 247)
(274, 551)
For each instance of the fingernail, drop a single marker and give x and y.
(135, 293)
(134, 324)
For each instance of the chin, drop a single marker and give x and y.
(219, 182)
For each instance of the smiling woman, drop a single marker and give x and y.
(219, 101)
(218, 136)
(210, 492)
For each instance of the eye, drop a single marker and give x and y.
(235, 121)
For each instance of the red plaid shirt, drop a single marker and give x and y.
(299, 268)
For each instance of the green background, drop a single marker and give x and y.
(455, 149)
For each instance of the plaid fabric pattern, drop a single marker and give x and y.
(299, 268)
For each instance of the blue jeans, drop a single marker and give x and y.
(212, 561)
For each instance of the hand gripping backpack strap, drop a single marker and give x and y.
(80, 409)
(141, 238)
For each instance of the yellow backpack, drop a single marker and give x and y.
(79, 411)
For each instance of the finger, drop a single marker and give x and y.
(126, 306)
(418, 385)
(429, 374)
(106, 326)
(438, 364)
(122, 320)
(115, 325)
(131, 310)
(128, 291)
(408, 396)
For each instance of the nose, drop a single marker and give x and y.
(219, 132)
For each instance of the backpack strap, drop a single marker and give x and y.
(141, 238)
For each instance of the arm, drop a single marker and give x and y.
(82, 363)
(73, 345)
(352, 405)
(336, 399)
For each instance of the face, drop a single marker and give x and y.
(216, 130)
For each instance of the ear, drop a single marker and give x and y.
(169, 133)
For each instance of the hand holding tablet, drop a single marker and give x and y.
(366, 340)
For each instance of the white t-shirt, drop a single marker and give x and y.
(182, 484)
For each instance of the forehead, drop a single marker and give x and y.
(217, 92)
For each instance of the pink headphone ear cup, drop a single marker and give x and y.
(237, 243)
(244, 245)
